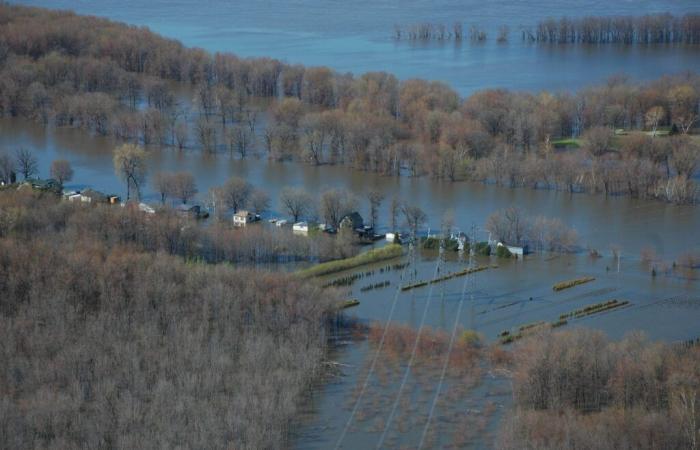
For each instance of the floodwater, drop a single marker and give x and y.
(516, 293)
(628, 224)
(357, 36)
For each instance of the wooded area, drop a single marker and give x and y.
(109, 342)
(113, 79)
(578, 389)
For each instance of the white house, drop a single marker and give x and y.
(517, 251)
(242, 218)
(146, 208)
(301, 227)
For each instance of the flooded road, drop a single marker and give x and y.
(357, 37)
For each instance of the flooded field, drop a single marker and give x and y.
(518, 293)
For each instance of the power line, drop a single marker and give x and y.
(379, 349)
(452, 340)
(410, 360)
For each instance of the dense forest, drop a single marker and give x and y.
(579, 389)
(620, 138)
(110, 342)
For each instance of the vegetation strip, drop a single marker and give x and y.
(350, 303)
(371, 256)
(571, 283)
(445, 277)
(594, 309)
(506, 337)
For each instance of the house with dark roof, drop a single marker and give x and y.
(352, 221)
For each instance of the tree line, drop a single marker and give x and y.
(113, 79)
(579, 389)
(646, 29)
(108, 341)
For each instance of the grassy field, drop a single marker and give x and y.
(380, 254)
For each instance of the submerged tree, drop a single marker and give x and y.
(296, 201)
(26, 163)
(61, 171)
(130, 165)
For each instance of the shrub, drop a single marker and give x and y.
(482, 248)
(503, 252)
(379, 254)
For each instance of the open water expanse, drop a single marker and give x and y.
(357, 36)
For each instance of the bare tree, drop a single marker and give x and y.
(653, 117)
(335, 204)
(685, 155)
(162, 182)
(235, 193)
(508, 225)
(375, 200)
(206, 135)
(597, 141)
(181, 133)
(7, 169)
(183, 186)
(26, 163)
(415, 218)
(130, 165)
(61, 171)
(296, 201)
(394, 209)
(259, 201)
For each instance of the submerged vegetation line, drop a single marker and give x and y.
(571, 283)
(449, 276)
(375, 255)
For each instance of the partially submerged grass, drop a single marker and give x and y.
(571, 283)
(379, 254)
(593, 309)
(506, 337)
(445, 277)
(349, 303)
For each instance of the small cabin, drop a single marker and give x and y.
(242, 218)
(92, 196)
(194, 211)
(353, 221)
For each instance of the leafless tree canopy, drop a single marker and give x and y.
(296, 202)
(130, 166)
(108, 343)
(26, 163)
(98, 75)
(61, 171)
(335, 204)
(579, 390)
